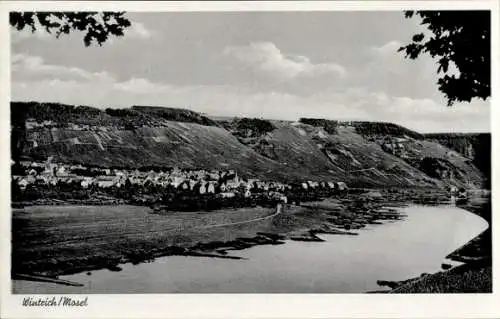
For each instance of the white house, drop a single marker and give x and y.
(23, 182)
(211, 188)
(228, 194)
(61, 171)
(203, 189)
(104, 181)
(341, 186)
(192, 183)
(86, 182)
(184, 185)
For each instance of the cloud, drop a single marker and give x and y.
(34, 79)
(139, 86)
(265, 58)
(388, 49)
(423, 115)
(138, 31)
(25, 66)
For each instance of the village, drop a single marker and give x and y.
(222, 184)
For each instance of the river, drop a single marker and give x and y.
(342, 264)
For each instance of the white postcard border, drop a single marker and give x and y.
(246, 305)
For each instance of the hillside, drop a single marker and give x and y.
(474, 146)
(312, 149)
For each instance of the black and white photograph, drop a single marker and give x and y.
(249, 152)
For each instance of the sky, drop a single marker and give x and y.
(277, 65)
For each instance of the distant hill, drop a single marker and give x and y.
(79, 114)
(382, 128)
(363, 154)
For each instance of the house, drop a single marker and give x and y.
(222, 187)
(61, 171)
(259, 185)
(104, 181)
(23, 182)
(31, 124)
(41, 180)
(119, 181)
(247, 193)
(72, 167)
(214, 176)
(148, 179)
(312, 184)
(192, 183)
(52, 180)
(453, 190)
(184, 186)
(211, 188)
(228, 195)
(232, 184)
(87, 182)
(305, 186)
(341, 186)
(177, 180)
(202, 188)
(135, 180)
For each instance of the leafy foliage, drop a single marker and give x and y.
(382, 128)
(259, 126)
(329, 126)
(98, 26)
(174, 114)
(56, 112)
(461, 39)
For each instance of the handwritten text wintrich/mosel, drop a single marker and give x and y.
(55, 302)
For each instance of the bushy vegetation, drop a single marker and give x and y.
(434, 167)
(257, 126)
(461, 279)
(382, 128)
(328, 125)
(56, 112)
(64, 113)
(174, 114)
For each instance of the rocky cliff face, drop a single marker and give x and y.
(474, 146)
(354, 152)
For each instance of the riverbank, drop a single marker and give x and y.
(53, 241)
(339, 264)
(465, 278)
(60, 240)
